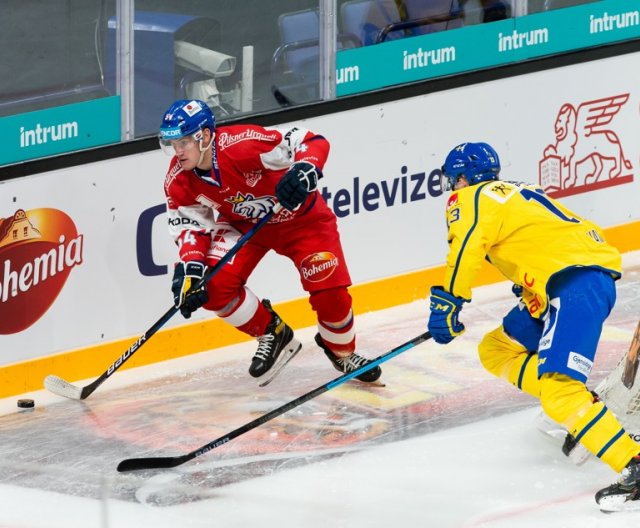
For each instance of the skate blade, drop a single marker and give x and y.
(618, 503)
(549, 428)
(286, 355)
(579, 455)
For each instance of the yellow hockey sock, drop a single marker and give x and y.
(569, 402)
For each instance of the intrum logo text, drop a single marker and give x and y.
(40, 135)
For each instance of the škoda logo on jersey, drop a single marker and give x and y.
(318, 266)
(587, 153)
(38, 249)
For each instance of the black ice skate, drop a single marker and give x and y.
(349, 363)
(624, 495)
(275, 348)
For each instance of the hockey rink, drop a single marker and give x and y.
(443, 444)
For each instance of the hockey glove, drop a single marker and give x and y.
(301, 179)
(443, 322)
(185, 296)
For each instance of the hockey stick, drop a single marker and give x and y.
(62, 387)
(134, 464)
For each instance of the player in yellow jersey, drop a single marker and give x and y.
(566, 273)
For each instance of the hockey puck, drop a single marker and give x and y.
(26, 404)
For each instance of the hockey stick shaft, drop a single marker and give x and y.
(134, 464)
(63, 388)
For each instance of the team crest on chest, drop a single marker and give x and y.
(251, 207)
(253, 177)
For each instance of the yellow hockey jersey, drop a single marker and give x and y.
(524, 233)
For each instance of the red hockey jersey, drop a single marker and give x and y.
(248, 162)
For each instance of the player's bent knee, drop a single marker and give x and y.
(497, 350)
(224, 289)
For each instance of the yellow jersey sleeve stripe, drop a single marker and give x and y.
(476, 216)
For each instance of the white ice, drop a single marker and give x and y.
(496, 472)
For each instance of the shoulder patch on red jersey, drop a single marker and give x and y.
(453, 200)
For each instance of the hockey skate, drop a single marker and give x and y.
(275, 348)
(624, 495)
(349, 363)
(571, 448)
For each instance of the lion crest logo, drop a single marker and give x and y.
(587, 154)
(251, 207)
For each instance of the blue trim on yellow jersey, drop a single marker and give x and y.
(476, 201)
(614, 274)
(523, 369)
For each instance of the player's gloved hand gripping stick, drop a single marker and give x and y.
(61, 387)
(189, 290)
(443, 321)
(294, 187)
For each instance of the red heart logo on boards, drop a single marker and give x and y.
(38, 249)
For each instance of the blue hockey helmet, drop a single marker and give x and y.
(186, 118)
(477, 162)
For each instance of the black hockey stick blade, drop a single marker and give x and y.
(136, 464)
(62, 387)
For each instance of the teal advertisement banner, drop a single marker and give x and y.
(486, 45)
(61, 129)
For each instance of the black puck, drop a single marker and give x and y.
(26, 404)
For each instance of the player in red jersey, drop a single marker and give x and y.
(221, 181)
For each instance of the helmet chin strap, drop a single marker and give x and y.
(203, 149)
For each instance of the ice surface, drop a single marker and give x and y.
(444, 444)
